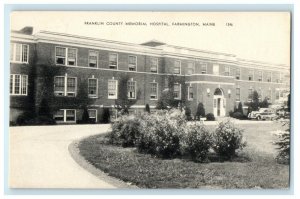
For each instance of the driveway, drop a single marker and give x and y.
(39, 157)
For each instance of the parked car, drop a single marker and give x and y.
(263, 114)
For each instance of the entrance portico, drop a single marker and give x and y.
(219, 103)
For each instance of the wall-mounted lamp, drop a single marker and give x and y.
(208, 92)
(229, 93)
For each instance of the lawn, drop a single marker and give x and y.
(259, 171)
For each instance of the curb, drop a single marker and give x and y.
(119, 184)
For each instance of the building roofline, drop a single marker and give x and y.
(160, 49)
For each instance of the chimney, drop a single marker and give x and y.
(27, 30)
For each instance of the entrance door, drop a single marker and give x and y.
(219, 103)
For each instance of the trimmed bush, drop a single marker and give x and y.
(227, 139)
(188, 114)
(200, 111)
(283, 145)
(238, 115)
(198, 141)
(162, 135)
(125, 131)
(147, 108)
(210, 117)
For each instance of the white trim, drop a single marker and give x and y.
(141, 106)
(95, 95)
(116, 95)
(134, 90)
(65, 92)
(190, 99)
(96, 117)
(117, 65)
(261, 82)
(97, 61)
(203, 64)
(193, 67)
(20, 85)
(179, 67)
(179, 97)
(135, 62)
(14, 45)
(66, 56)
(206, 82)
(154, 58)
(156, 91)
(65, 116)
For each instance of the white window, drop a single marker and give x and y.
(132, 63)
(113, 60)
(153, 90)
(216, 69)
(269, 77)
(93, 59)
(269, 95)
(177, 67)
(153, 65)
(250, 94)
(66, 56)
(18, 84)
(191, 68)
(93, 87)
(190, 93)
(203, 68)
(238, 73)
(65, 115)
(238, 94)
(19, 53)
(226, 70)
(259, 92)
(131, 89)
(65, 86)
(260, 76)
(251, 75)
(177, 91)
(112, 89)
(93, 115)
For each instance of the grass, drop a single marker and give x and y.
(149, 172)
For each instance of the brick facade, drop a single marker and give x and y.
(42, 52)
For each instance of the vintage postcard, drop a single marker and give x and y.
(129, 100)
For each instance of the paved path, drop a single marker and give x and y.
(39, 157)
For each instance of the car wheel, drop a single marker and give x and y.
(258, 118)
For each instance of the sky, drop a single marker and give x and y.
(261, 36)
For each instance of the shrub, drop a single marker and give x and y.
(125, 131)
(25, 118)
(238, 115)
(200, 111)
(198, 142)
(188, 114)
(28, 118)
(162, 134)
(106, 116)
(240, 108)
(283, 145)
(147, 108)
(227, 139)
(210, 117)
(85, 116)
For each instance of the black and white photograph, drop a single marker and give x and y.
(150, 100)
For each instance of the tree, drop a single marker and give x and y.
(147, 108)
(188, 113)
(240, 108)
(264, 103)
(167, 99)
(123, 103)
(44, 109)
(85, 116)
(254, 104)
(200, 110)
